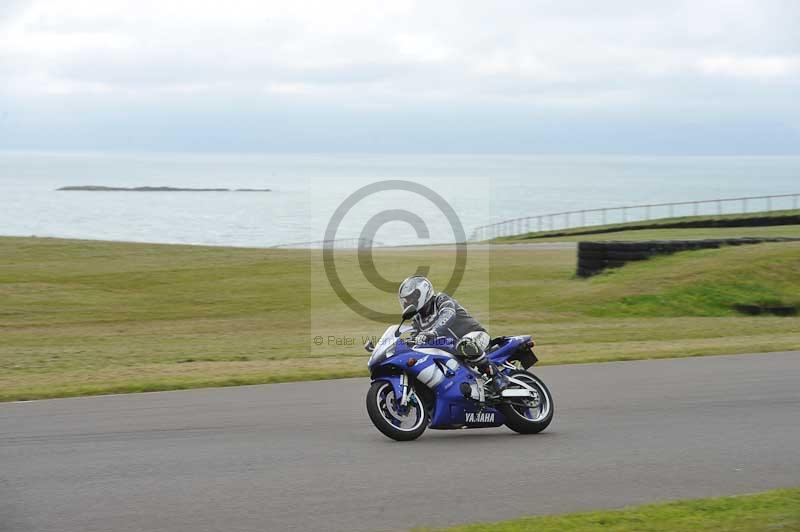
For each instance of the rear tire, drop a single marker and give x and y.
(529, 420)
(382, 410)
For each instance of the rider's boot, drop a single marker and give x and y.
(498, 382)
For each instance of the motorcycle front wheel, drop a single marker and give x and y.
(385, 412)
(528, 416)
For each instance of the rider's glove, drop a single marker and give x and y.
(425, 337)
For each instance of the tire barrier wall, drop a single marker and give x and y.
(594, 257)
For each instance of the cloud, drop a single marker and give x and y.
(705, 57)
(751, 67)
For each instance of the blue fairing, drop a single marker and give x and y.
(437, 368)
(506, 352)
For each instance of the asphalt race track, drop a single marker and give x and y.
(305, 456)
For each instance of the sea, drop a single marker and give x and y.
(391, 199)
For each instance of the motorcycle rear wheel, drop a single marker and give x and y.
(382, 407)
(524, 418)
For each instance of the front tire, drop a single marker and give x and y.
(530, 416)
(382, 407)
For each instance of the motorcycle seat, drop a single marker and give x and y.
(496, 343)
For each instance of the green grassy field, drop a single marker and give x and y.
(668, 228)
(81, 317)
(775, 510)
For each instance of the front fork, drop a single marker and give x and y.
(408, 395)
(402, 390)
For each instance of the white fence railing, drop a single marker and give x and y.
(632, 213)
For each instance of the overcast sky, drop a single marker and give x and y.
(612, 76)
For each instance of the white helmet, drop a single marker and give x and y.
(417, 291)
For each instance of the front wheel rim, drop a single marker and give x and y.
(387, 406)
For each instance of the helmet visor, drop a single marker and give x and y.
(410, 299)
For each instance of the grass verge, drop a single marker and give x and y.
(774, 510)
(81, 317)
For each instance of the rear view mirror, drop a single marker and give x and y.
(409, 312)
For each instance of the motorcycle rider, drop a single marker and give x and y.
(439, 315)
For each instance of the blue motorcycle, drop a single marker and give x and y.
(419, 386)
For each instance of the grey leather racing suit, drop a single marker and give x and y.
(443, 316)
